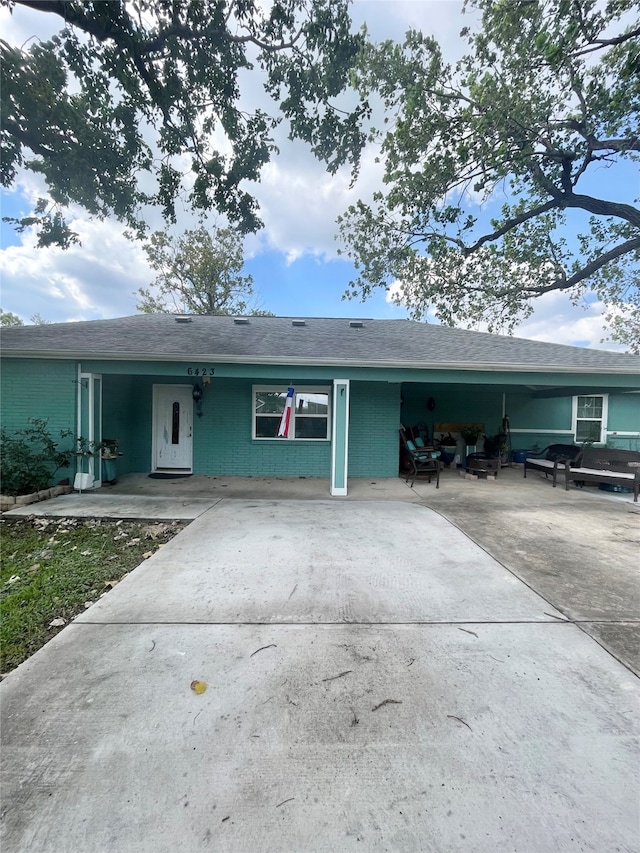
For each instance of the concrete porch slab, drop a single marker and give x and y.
(139, 496)
(99, 505)
(263, 488)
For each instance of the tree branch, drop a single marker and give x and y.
(124, 35)
(155, 44)
(601, 207)
(632, 144)
(26, 138)
(589, 269)
(510, 224)
(599, 44)
(71, 15)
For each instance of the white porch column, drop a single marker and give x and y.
(340, 437)
(89, 425)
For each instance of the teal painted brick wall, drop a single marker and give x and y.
(624, 415)
(453, 404)
(527, 412)
(119, 416)
(540, 416)
(624, 412)
(624, 442)
(373, 429)
(37, 388)
(538, 440)
(127, 405)
(34, 388)
(141, 435)
(535, 416)
(222, 436)
(223, 445)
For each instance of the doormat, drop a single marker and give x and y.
(161, 476)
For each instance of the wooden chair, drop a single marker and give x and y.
(422, 460)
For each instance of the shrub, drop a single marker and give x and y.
(31, 457)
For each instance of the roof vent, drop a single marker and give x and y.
(241, 321)
(356, 324)
(298, 322)
(183, 320)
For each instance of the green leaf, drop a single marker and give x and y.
(542, 100)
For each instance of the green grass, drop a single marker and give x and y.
(51, 568)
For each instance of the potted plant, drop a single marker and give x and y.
(110, 453)
(471, 433)
(110, 449)
(86, 449)
(448, 448)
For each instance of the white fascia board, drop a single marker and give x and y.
(474, 367)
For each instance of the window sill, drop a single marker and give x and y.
(293, 440)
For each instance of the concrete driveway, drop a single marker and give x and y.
(375, 681)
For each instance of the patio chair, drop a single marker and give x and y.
(422, 460)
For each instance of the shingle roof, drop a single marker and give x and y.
(318, 340)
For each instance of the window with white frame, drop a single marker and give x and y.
(310, 412)
(590, 418)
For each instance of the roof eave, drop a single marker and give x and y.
(323, 362)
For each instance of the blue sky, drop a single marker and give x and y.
(293, 260)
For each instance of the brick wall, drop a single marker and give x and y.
(373, 429)
(38, 388)
(119, 413)
(222, 442)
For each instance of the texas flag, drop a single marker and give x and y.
(285, 420)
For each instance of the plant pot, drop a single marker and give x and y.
(448, 454)
(83, 482)
(520, 455)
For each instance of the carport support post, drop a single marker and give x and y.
(340, 437)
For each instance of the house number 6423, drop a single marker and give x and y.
(200, 371)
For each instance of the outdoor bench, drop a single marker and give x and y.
(599, 465)
(551, 460)
(582, 465)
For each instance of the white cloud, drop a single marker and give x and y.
(300, 203)
(555, 320)
(95, 279)
(390, 19)
(299, 200)
(21, 24)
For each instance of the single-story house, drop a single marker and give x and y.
(206, 394)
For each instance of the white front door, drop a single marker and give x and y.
(172, 428)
